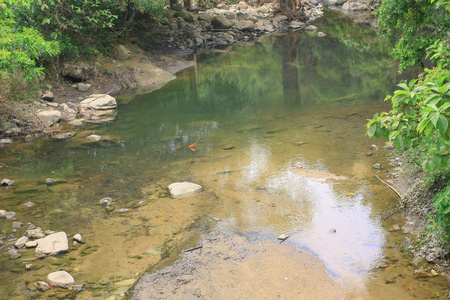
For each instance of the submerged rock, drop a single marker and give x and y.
(7, 182)
(179, 189)
(106, 201)
(94, 137)
(36, 233)
(53, 244)
(63, 136)
(61, 279)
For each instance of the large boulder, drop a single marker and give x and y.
(49, 117)
(221, 22)
(99, 102)
(53, 244)
(61, 279)
(179, 189)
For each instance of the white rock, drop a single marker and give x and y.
(41, 285)
(99, 101)
(179, 189)
(6, 214)
(21, 242)
(6, 141)
(6, 182)
(283, 236)
(53, 244)
(31, 244)
(60, 278)
(94, 137)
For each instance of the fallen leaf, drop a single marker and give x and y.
(351, 194)
(192, 145)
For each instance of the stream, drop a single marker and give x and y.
(280, 148)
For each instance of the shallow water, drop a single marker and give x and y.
(284, 105)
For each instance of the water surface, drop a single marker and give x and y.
(258, 114)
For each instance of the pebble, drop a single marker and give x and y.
(6, 214)
(376, 166)
(77, 238)
(50, 180)
(123, 210)
(283, 236)
(332, 230)
(29, 204)
(106, 201)
(374, 147)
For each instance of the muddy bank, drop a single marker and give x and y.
(229, 266)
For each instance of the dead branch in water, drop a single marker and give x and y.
(193, 248)
(391, 187)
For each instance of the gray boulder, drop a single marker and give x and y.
(61, 279)
(83, 87)
(296, 25)
(221, 22)
(6, 214)
(245, 25)
(179, 189)
(121, 52)
(81, 71)
(49, 117)
(53, 244)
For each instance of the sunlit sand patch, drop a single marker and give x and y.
(315, 174)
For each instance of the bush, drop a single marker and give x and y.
(22, 51)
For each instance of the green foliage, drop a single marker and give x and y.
(442, 206)
(419, 121)
(413, 25)
(21, 50)
(84, 24)
(420, 113)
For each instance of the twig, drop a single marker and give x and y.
(4, 165)
(193, 248)
(390, 186)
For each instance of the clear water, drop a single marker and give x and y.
(285, 103)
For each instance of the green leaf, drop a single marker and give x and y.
(442, 125)
(371, 130)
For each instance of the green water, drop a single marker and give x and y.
(287, 101)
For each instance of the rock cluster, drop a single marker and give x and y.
(224, 25)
